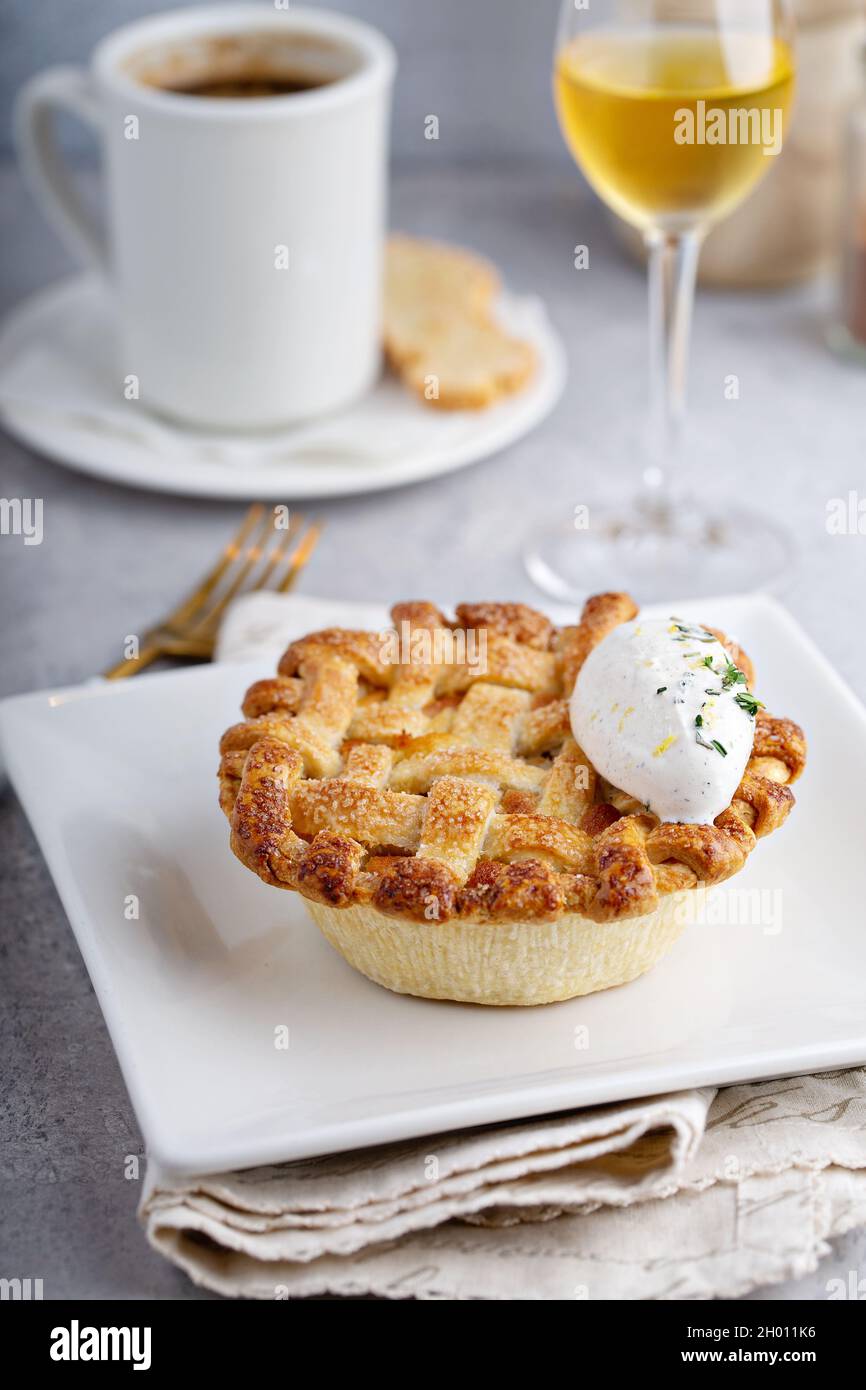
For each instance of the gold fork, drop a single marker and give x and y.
(246, 565)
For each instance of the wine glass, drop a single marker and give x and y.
(674, 110)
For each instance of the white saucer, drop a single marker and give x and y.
(59, 394)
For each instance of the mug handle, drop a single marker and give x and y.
(59, 89)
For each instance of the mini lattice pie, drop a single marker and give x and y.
(422, 789)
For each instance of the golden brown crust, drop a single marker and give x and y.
(626, 883)
(515, 620)
(361, 648)
(601, 614)
(328, 869)
(736, 653)
(262, 835)
(438, 789)
(712, 852)
(781, 739)
(525, 891)
(280, 694)
(417, 889)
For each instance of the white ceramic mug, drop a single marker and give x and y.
(244, 239)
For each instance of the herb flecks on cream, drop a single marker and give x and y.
(688, 736)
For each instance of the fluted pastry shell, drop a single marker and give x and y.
(504, 963)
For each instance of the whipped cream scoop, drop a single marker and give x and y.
(663, 714)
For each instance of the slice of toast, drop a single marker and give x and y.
(467, 365)
(440, 330)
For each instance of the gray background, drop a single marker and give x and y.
(482, 66)
(112, 559)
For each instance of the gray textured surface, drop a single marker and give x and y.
(112, 559)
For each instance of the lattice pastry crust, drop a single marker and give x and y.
(432, 792)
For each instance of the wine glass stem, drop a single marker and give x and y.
(673, 260)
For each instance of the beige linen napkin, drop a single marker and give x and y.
(681, 1196)
(692, 1195)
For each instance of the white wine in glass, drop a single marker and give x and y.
(674, 110)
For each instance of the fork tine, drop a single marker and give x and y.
(277, 553)
(252, 576)
(252, 557)
(188, 607)
(300, 557)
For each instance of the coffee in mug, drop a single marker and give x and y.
(244, 66)
(245, 156)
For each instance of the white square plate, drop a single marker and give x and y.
(119, 785)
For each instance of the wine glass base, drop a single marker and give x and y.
(657, 555)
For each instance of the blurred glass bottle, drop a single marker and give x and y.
(848, 333)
